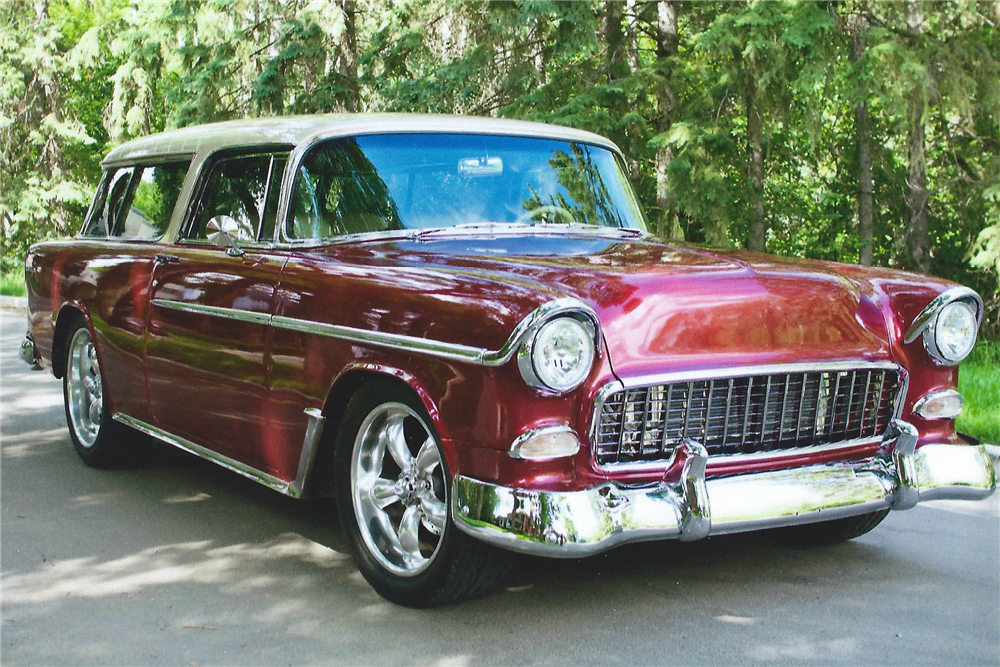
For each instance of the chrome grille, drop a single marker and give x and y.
(746, 415)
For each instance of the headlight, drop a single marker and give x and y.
(559, 356)
(953, 333)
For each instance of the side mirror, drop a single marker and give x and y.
(221, 230)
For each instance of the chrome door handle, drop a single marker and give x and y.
(166, 259)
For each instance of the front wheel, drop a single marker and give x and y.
(96, 437)
(393, 498)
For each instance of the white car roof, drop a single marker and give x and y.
(298, 130)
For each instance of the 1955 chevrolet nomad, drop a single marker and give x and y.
(460, 329)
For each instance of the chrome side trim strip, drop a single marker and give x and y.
(228, 313)
(453, 351)
(926, 316)
(249, 472)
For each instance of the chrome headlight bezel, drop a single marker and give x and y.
(527, 364)
(926, 323)
(933, 335)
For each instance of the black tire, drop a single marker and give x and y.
(102, 447)
(460, 567)
(825, 533)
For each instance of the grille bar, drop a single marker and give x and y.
(747, 414)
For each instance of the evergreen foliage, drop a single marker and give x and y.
(746, 123)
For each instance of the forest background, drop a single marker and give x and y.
(852, 131)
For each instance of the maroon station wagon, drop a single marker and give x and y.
(461, 330)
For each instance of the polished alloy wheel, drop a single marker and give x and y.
(85, 391)
(400, 500)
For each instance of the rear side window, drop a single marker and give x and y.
(136, 202)
(154, 193)
(241, 194)
(108, 202)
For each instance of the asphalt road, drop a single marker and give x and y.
(178, 562)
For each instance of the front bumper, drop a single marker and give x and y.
(689, 506)
(28, 353)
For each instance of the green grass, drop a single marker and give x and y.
(979, 384)
(12, 284)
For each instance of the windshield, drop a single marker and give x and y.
(385, 182)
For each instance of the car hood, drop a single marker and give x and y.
(665, 306)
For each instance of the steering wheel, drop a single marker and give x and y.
(549, 211)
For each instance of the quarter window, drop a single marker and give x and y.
(153, 195)
(136, 202)
(108, 202)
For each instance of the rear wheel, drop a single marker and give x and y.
(96, 437)
(393, 497)
(825, 533)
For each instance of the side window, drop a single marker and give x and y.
(236, 193)
(108, 202)
(338, 191)
(154, 194)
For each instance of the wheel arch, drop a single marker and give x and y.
(350, 380)
(69, 314)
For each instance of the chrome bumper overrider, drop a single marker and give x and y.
(28, 353)
(690, 507)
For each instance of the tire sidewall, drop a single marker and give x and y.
(417, 590)
(99, 454)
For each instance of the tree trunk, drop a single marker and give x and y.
(917, 237)
(349, 56)
(755, 161)
(863, 139)
(614, 40)
(541, 55)
(667, 225)
(631, 32)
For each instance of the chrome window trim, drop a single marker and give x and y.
(925, 319)
(741, 371)
(453, 351)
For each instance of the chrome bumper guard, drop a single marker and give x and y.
(28, 353)
(689, 506)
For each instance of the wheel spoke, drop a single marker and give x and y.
(428, 457)
(408, 528)
(92, 358)
(383, 493)
(83, 361)
(435, 514)
(396, 443)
